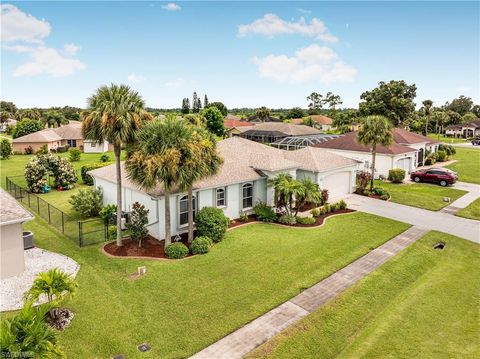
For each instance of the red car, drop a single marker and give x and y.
(441, 176)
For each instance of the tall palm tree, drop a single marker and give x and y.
(163, 148)
(286, 191)
(114, 114)
(427, 109)
(311, 193)
(376, 130)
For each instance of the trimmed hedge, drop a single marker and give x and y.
(86, 178)
(176, 251)
(212, 223)
(200, 245)
(396, 175)
(305, 220)
(264, 213)
(442, 156)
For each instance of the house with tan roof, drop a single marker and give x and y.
(269, 132)
(65, 136)
(323, 123)
(241, 182)
(235, 126)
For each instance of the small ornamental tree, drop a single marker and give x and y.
(138, 222)
(221, 107)
(40, 165)
(74, 154)
(212, 223)
(5, 149)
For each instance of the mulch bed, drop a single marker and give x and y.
(237, 222)
(320, 219)
(151, 248)
(65, 316)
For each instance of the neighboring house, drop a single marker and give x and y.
(235, 127)
(231, 117)
(269, 132)
(424, 145)
(466, 130)
(256, 119)
(10, 122)
(393, 156)
(12, 215)
(323, 123)
(241, 182)
(66, 135)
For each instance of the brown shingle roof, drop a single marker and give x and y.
(11, 211)
(401, 135)
(237, 123)
(349, 142)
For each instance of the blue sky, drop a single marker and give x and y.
(64, 50)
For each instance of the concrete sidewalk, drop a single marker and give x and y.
(439, 221)
(244, 340)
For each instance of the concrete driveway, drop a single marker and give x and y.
(438, 221)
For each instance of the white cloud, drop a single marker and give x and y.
(271, 25)
(45, 60)
(70, 49)
(171, 6)
(134, 78)
(19, 26)
(310, 64)
(178, 82)
(303, 11)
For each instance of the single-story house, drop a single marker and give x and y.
(465, 130)
(12, 215)
(269, 132)
(422, 144)
(323, 123)
(234, 127)
(66, 135)
(256, 119)
(231, 117)
(241, 182)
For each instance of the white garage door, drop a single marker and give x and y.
(404, 164)
(338, 184)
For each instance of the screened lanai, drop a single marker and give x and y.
(297, 142)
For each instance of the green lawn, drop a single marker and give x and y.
(421, 195)
(447, 140)
(421, 304)
(472, 211)
(468, 165)
(180, 307)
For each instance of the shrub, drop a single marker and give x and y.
(107, 212)
(430, 160)
(104, 158)
(211, 222)
(324, 196)
(385, 196)
(363, 179)
(137, 225)
(243, 217)
(29, 150)
(43, 150)
(176, 251)
(74, 154)
(86, 178)
(333, 207)
(396, 175)
(328, 208)
(342, 204)
(87, 202)
(441, 156)
(5, 149)
(322, 210)
(379, 191)
(305, 220)
(264, 213)
(367, 193)
(62, 149)
(200, 245)
(112, 232)
(315, 212)
(288, 219)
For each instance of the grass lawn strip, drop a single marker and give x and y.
(472, 211)
(181, 307)
(468, 165)
(447, 140)
(421, 195)
(421, 304)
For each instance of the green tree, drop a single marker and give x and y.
(375, 130)
(115, 113)
(54, 118)
(71, 113)
(31, 113)
(213, 120)
(468, 117)
(138, 223)
(476, 110)
(315, 104)
(5, 149)
(26, 126)
(427, 111)
(308, 121)
(159, 157)
(344, 119)
(332, 101)
(185, 106)
(263, 114)
(310, 194)
(295, 112)
(393, 100)
(205, 101)
(220, 106)
(440, 118)
(56, 285)
(8, 107)
(4, 117)
(196, 103)
(460, 105)
(286, 190)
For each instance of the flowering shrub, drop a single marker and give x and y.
(36, 170)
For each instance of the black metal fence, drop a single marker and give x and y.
(83, 232)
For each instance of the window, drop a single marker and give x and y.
(72, 143)
(221, 200)
(93, 144)
(183, 209)
(247, 195)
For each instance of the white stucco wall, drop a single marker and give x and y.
(92, 147)
(12, 261)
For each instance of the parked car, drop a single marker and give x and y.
(476, 141)
(441, 176)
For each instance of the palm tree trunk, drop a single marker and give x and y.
(190, 215)
(168, 224)
(426, 125)
(374, 156)
(117, 150)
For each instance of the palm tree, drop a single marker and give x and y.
(56, 285)
(311, 193)
(427, 107)
(376, 130)
(286, 191)
(114, 114)
(263, 114)
(54, 119)
(162, 152)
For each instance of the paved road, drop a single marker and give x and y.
(242, 341)
(439, 221)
